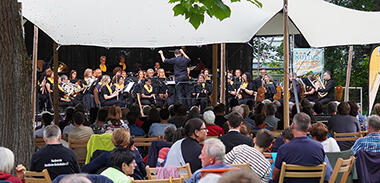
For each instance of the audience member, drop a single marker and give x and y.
(68, 118)
(46, 119)
(187, 150)
(157, 129)
(301, 150)
(344, 123)
(212, 157)
(260, 122)
(213, 129)
(371, 142)
(153, 118)
(254, 155)
(134, 129)
(7, 160)
(54, 157)
(80, 132)
(332, 108)
(194, 112)
(75, 178)
(159, 149)
(271, 120)
(377, 109)
(100, 126)
(123, 164)
(234, 137)
(319, 133)
(219, 110)
(121, 137)
(285, 137)
(246, 115)
(179, 118)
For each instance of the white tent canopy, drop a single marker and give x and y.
(150, 23)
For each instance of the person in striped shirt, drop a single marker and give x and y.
(253, 155)
(371, 142)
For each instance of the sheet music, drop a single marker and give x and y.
(170, 82)
(129, 87)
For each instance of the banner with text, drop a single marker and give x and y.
(308, 59)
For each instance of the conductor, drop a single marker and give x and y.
(180, 61)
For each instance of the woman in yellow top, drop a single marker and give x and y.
(107, 96)
(103, 66)
(148, 95)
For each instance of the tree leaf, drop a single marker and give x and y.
(178, 10)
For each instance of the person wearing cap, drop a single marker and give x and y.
(234, 137)
(213, 129)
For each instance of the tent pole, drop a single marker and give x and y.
(286, 66)
(55, 91)
(34, 70)
(223, 73)
(214, 74)
(348, 75)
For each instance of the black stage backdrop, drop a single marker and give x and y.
(81, 57)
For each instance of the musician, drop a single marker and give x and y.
(310, 92)
(202, 91)
(258, 81)
(119, 86)
(329, 88)
(65, 92)
(106, 95)
(246, 89)
(103, 66)
(150, 73)
(97, 74)
(137, 88)
(157, 67)
(73, 76)
(163, 90)
(148, 95)
(270, 88)
(238, 79)
(292, 77)
(231, 89)
(180, 62)
(116, 72)
(122, 64)
(206, 74)
(88, 88)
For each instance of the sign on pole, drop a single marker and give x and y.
(308, 59)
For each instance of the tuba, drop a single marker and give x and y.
(317, 83)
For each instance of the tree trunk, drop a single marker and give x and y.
(16, 130)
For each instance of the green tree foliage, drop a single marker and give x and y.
(194, 10)
(336, 57)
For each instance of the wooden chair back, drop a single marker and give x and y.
(364, 133)
(38, 142)
(145, 141)
(37, 177)
(183, 171)
(246, 165)
(342, 166)
(79, 146)
(299, 171)
(347, 136)
(170, 180)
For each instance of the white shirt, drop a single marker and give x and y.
(330, 145)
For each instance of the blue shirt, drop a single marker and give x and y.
(157, 129)
(180, 65)
(302, 151)
(197, 174)
(369, 143)
(136, 131)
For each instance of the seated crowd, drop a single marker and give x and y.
(205, 139)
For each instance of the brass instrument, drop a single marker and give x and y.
(317, 83)
(68, 90)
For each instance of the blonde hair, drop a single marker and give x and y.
(161, 71)
(87, 72)
(121, 137)
(105, 80)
